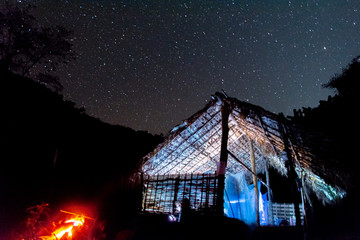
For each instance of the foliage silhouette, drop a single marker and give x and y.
(28, 50)
(331, 135)
(347, 84)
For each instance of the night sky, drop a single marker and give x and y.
(150, 64)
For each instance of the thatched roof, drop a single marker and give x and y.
(194, 146)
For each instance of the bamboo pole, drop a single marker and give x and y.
(303, 200)
(246, 167)
(256, 189)
(270, 214)
(78, 215)
(225, 112)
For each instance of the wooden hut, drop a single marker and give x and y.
(210, 164)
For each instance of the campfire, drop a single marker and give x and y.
(41, 224)
(64, 229)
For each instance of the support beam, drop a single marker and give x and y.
(225, 111)
(256, 189)
(303, 200)
(270, 215)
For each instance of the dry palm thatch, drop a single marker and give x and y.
(194, 146)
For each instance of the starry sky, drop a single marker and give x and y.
(150, 64)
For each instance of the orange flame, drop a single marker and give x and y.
(67, 228)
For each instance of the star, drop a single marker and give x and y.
(171, 57)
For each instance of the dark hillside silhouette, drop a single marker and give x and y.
(332, 128)
(52, 151)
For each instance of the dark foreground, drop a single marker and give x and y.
(159, 227)
(200, 227)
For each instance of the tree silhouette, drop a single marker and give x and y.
(347, 84)
(30, 50)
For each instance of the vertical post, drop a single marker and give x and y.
(303, 200)
(156, 189)
(255, 181)
(196, 182)
(292, 173)
(176, 190)
(207, 194)
(141, 193)
(144, 191)
(269, 206)
(225, 111)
